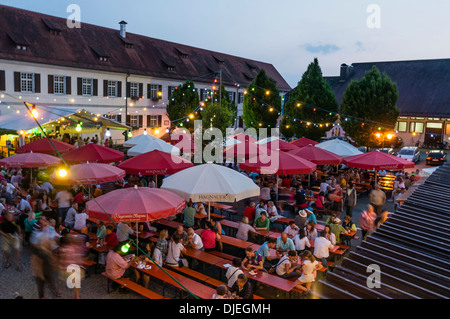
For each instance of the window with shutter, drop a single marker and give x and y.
(16, 81)
(50, 84)
(119, 88)
(68, 85)
(27, 82)
(59, 84)
(141, 118)
(2, 81)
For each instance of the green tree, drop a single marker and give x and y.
(373, 98)
(311, 101)
(184, 101)
(262, 103)
(218, 113)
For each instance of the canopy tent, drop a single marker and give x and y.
(156, 144)
(339, 147)
(88, 174)
(44, 145)
(279, 163)
(93, 153)
(139, 139)
(135, 204)
(277, 144)
(317, 155)
(64, 118)
(29, 160)
(377, 160)
(155, 163)
(303, 141)
(211, 183)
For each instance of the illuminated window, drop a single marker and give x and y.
(416, 127)
(401, 126)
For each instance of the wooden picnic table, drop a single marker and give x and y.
(230, 240)
(221, 206)
(265, 278)
(198, 289)
(168, 223)
(100, 249)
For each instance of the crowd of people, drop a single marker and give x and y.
(53, 223)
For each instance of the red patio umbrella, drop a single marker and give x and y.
(43, 146)
(303, 141)
(241, 137)
(317, 155)
(89, 174)
(282, 146)
(29, 160)
(155, 163)
(377, 160)
(245, 149)
(135, 204)
(278, 163)
(93, 153)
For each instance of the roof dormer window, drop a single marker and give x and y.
(182, 54)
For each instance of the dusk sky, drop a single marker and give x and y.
(285, 33)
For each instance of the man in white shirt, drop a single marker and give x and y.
(64, 199)
(194, 240)
(324, 187)
(21, 204)
(292, 229)
(47, 187)
(122, 232)
(322, 247)
(9, 188)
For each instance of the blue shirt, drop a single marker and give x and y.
(264, 250)
(289, 245)
(312, 218)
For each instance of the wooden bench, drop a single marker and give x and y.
(209, 280)
(87, 265)
(221, 254)
(232, 212)
(134, 287)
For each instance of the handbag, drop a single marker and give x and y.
(273, 268)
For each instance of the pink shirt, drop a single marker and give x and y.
(209, 239)
(115, 265)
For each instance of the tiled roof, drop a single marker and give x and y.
(423, 85)
(81, 47)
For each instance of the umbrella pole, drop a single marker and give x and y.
(137, 238)
(209, 211)
(309, 180)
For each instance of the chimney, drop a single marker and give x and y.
(123, 31)
(346, 70)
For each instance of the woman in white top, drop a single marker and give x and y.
(200, 208)
(329, 235)
(244, 229)
(287, 266)
(310, 231)
(301, 241)
(233, 272)
(265, 192)
(174, 251)
(309, 266)
(80, 220)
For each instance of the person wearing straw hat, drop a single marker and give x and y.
(301, 219)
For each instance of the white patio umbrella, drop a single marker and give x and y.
(140, 139)
(156, 144)
(211, 183)
(339, 147)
